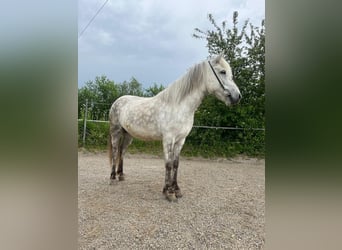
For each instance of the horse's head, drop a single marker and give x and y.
(220, 81)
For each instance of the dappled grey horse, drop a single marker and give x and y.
(168, 116)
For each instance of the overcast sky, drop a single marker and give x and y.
(150, 40)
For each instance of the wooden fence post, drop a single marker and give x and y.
(85, 122)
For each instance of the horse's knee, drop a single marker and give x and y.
(168, 165)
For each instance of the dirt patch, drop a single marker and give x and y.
(223, 204)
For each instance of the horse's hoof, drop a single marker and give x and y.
(111, 181)
(178, 194)
(171, 197)
(121, 177)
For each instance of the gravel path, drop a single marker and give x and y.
(223, 204)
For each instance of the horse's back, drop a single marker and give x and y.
(123, 100)
(122, 103)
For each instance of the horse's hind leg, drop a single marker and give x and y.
(124, 143)
(115, 137)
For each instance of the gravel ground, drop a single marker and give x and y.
(223, 204)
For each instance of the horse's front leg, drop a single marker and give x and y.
(174, 178)
(177, 149)
(171, 189)
(168, 189)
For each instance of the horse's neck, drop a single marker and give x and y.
(186, 97)
(192, 101)
(196, 96)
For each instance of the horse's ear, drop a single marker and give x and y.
(218, 58)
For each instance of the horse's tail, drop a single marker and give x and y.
(110, 147)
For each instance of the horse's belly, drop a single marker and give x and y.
(142, 133)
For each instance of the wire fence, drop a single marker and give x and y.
(90, 134)
(195, 126)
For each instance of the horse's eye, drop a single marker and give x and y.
(223, 72)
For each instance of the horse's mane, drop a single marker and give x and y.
(185, 85)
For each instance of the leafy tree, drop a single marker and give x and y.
(244, 49)
(153, 90)
(100, 94)
(133, 87)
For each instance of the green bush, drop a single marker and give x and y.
(200, 142)
(96, 134)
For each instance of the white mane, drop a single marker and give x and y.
(182, 87)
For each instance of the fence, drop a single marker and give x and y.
(249, 139)
(195, 126)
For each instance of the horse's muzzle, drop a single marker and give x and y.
(234, 100)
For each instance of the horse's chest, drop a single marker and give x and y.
(177, 124)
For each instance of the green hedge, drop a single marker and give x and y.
(200, 142)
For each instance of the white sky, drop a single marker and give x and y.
(150, 40)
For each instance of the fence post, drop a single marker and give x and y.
(85, 122)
